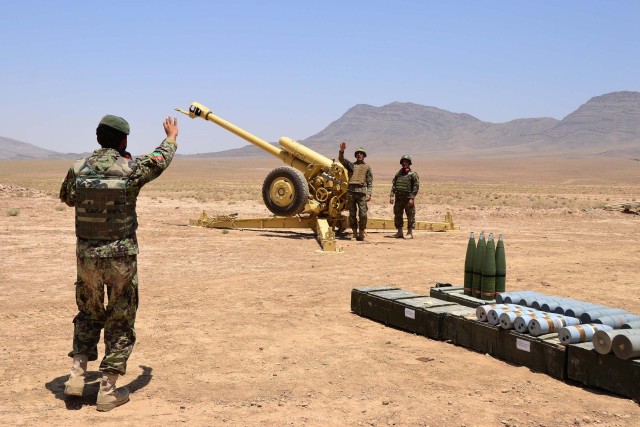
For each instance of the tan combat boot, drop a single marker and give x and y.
(399, 234)
(360, 235)
(409, 233)
(354, 234)
(75, 384)
(109, 396)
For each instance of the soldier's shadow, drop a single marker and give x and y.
(92, 385)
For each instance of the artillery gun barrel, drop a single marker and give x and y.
(292, 152)
(199, 110)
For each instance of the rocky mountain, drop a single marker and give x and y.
(606, 125)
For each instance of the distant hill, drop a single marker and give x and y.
(11, 149)
(606, 125)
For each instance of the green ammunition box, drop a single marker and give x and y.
(605, 371)
(544, 353)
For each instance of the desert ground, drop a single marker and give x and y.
(253, 327)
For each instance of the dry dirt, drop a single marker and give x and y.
(254, 327)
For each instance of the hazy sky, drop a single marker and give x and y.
(290, 68)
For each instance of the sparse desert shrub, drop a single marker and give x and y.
(13, 212)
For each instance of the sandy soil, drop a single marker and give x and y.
(254, 327)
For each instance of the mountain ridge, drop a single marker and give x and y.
(605, 125)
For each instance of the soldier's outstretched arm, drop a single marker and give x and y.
(151, 165)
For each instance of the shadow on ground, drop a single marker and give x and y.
(92, 384)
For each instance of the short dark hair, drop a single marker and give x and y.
(109, 137)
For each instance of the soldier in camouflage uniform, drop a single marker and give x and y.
(358, 190)
(103, 188)
(404, 188)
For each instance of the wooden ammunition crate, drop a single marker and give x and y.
(605, 371)
(400, 309)
(544, 353)
(417, 315)
(378, 304)
(456, 294)
(359, 295)
(462, 328)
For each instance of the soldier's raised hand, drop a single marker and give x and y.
(171, 127)
(343, 145)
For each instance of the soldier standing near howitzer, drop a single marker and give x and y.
(103, 188)
(358, 190)
(404, 187)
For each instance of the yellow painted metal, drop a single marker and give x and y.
(282, 191)
(326, 178)
(327, 182)
(326, 237)
(324, 231)
(388, 224)
(232, 221)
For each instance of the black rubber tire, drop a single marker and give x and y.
(295, 201)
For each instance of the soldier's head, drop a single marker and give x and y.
(112, 132)
(405, 160)
(360, 154)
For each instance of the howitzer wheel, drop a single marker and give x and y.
(285, 191)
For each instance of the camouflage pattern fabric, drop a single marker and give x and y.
(103, 211)
(404, 187)
(365, 188)
(405, 184)
(400, 206)
(119, 275)
(147, 168)
(357, 203)
(111, 264)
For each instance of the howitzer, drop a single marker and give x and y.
(313, 184)
(309, 193)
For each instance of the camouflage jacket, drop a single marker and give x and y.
(405, 184)
(367, 187)
(147, 168)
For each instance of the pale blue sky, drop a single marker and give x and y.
(289, 68)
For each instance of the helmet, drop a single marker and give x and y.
(405, 157)
(360, 150)
(115, 122)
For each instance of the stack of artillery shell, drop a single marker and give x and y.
(591, 315)
(521, 323)
(481, 310)
(506, 319)
(501, 266)
(477, 266)
(513, 297)
(468, 265)
(603, 340)
(488, 283)
(546, 325)
(580, 333)
(485, 267)
(616, 320)
(575, 308)
(634, 324)
(493, 315)
(626, 346)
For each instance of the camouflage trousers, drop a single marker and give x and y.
(357, 203)
(400, 206)
(120, 277)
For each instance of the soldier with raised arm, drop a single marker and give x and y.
(103, 188)
(359, 189)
